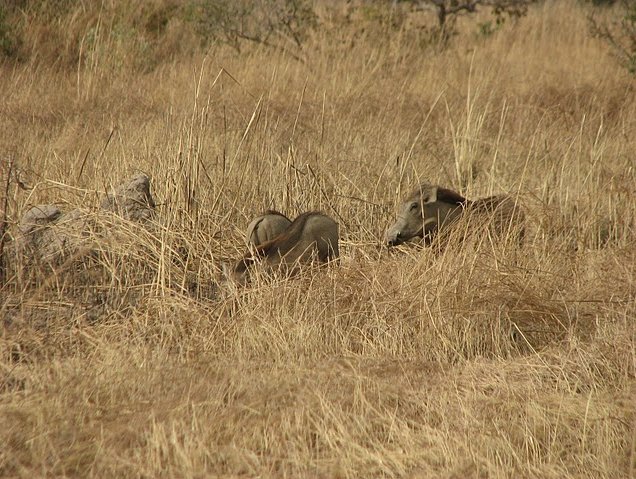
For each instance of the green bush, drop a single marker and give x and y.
(9, 41)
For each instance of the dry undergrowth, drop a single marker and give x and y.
(482, 359)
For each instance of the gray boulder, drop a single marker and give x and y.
(48, 235)
(131, 200)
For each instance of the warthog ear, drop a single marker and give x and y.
(230, 281)
(227, 270)
(432, 195)
(449, 196)
(429, 195)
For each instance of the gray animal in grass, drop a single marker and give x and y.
(266, 227)
(431, 209)
(311, 236)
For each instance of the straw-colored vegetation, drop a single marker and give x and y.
(479, 360)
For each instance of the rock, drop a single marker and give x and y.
(36, 235)
(48, 235)
(132, 200)
(38, 217)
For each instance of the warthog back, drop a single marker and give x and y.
(311, 236)
(266, 227)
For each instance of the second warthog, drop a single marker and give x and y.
(432, 209)
(311, 236)
(266, 227)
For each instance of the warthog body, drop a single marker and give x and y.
(311, 236)
(266, 227)
(431, 209)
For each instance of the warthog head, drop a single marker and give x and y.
(424, 212)
(266, 227)
(311, 236)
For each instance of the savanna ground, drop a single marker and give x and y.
(481, 360)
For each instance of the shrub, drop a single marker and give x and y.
(619, 33)
(280, 24)
(9, 41)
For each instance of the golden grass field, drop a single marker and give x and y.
(483, 360)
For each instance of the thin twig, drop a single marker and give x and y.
(324, 194)
(4, 222)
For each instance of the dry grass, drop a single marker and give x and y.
(481, 360)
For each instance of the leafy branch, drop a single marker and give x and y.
(619, 33)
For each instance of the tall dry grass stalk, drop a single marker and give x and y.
(478, 360)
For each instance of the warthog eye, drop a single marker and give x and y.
(414, 206)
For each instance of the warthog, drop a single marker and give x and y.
(311, 236)
(430, 209)
(266, 227)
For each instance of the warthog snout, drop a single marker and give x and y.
(394, 235)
